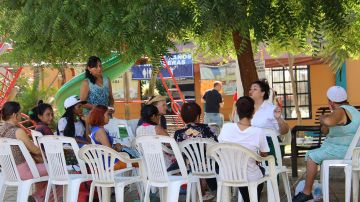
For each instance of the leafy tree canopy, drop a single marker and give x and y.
(64, 31)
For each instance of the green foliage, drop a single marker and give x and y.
(59, 31)
(29, 94)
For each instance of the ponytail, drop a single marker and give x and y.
(39, 110)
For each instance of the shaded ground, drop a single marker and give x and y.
(337, 186)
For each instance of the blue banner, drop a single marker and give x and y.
(181, 65)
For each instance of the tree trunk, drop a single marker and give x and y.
(126, 81)
(63, 74)
(246, 62)
(294, 89)
(152, 83)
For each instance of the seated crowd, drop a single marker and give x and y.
(255, 113)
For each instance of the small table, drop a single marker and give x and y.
(296, 147)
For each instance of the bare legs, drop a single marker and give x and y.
(311, 171)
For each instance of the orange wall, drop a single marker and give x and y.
(202, 86)
(135, 109)
(321, 78)
(48, 76)
(353, 81)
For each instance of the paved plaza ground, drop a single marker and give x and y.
(337, 186)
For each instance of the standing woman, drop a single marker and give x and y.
(267, 115)
(96, 89)
(10, 114)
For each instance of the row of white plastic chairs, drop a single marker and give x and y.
(228, 156)
(231, 158)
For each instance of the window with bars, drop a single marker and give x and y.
(279, 79)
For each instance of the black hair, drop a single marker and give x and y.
(8, 109)
(39, 110)
(92, 62)
(147, 112)
(216, 83)
(245, 107)
(190, 112)
(69, 115)
(264, 86)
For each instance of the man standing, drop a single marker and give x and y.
(213, 101)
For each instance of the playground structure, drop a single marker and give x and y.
(113, 68)
(8, 78)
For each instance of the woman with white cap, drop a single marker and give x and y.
(340, 126)
(72, 123)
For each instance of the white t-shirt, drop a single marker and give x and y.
(252, 138)
(79, 127)
(145, 130)
(264, 117)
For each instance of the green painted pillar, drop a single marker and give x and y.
(341, 76)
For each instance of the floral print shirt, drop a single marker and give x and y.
(194, 130)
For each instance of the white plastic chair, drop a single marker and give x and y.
(280, 169)
(35, 135)
(10, 173)
(356, 173)
(346, 163)
(233, 164)
(53, 152)
(101, 160)
(201, 165)
(156, 174)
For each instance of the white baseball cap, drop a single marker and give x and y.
(72, 100)
(337, 94)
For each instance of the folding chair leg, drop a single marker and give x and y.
(198, 184)
(286, 183)
(2, 190)
(173, 192)
(73, 191)
(355, 179)
(92, 190)
(188, 192)
(348, 172)
(119, 193)
(23, 191)
(48, 191)
(275, 188)
(147, 193)
(219, 190)
(325, 181)
(253, 192)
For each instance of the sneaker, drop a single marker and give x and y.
(209, 195)
(301, 197)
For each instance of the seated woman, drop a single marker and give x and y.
(267, 115)
(248, 136)
(43, 115)
(340, 126)
(72, 123)
(150, 122)
(160, 103)
(10, 114)
(190, 113)
(97, 118)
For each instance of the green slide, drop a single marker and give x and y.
(112, 68)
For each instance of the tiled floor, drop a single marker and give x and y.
(337, 186)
